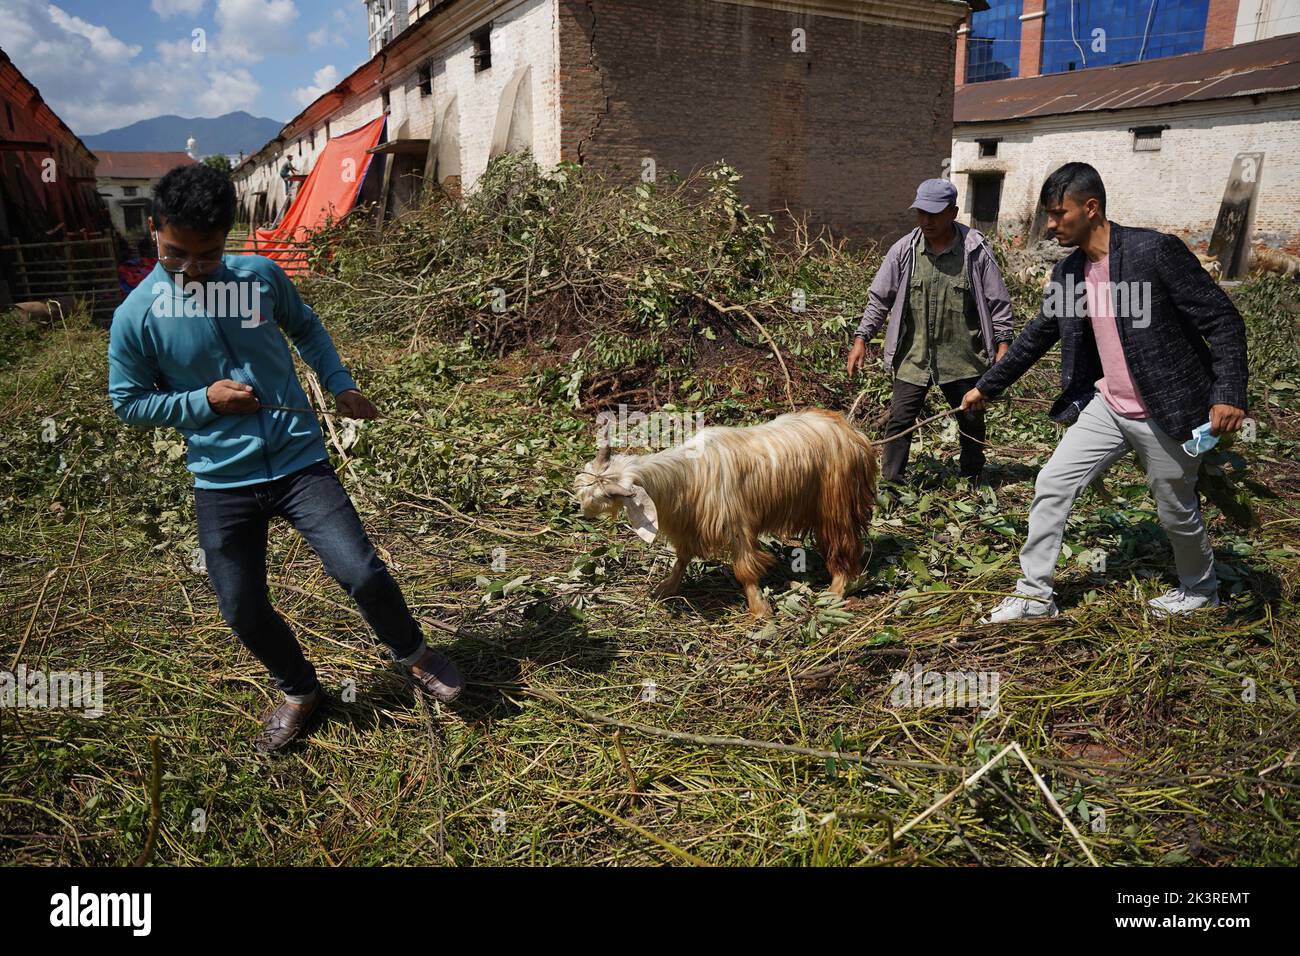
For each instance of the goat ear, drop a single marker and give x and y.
(641, 512)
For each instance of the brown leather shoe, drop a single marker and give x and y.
(437, 676)
(286, 723)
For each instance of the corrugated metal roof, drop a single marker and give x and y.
(1265, 66)
(120, 164)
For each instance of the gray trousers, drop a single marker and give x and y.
(1091, 445)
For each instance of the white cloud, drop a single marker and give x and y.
(174, 52)
(228, 91)
(325, 79)
(96, 82)
(176, 8)
(101, 39)
(251, 30)
(335, 31)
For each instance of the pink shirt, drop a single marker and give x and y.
(1116, 384)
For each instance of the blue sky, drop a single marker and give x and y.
(101, 65)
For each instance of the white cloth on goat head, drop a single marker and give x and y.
(642, 514)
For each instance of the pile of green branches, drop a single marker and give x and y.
(570, 260)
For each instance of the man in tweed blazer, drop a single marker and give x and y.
(1151, 349)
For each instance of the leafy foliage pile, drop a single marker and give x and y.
(617, 288)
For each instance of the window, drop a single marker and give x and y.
(993, 44)
(388, 101)
(988, 148)
(9, 115)
(482, 40)
(133, 218)
(1080, 34)
(311, 140)
(986, 198)
(1147, 138)
(426, 80)
(130, 191)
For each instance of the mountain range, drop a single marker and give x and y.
(227, 134)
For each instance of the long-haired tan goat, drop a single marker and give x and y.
(716, 493)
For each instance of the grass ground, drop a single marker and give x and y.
(1143, 721)
(601, 726)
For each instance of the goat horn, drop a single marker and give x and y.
(602, 441)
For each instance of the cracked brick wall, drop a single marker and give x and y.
(842, 132)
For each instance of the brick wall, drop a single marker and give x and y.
(963, 32)
(1031, 38)
(843, 132)
(1220, 24)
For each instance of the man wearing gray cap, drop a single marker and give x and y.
(949, 318)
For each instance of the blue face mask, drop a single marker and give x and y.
(1201, 441)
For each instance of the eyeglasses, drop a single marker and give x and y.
(181, 264)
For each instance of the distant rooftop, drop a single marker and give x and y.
(1265, 66)
(128, 165)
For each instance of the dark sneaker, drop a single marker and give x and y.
(437, 676)
(287, 723)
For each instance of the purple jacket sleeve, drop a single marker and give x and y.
(880, 297)
(996, 296)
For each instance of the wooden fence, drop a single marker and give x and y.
(79, 269)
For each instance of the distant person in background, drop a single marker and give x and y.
(286, 171)
(949, 318)
(136, 269)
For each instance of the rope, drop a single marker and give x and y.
(446, 437)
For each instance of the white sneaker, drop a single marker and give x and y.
(1179, 601)
(1020, 608)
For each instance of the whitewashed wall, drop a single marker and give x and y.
(524, 38)
(1176, 189)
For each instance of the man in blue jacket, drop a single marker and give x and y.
(200, 346)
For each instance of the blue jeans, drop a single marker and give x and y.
(233, 525)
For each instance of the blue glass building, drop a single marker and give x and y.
(1130, 30)
(1078, 34)
(993, 44)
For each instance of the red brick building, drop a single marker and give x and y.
(47, 175)
(840, 127)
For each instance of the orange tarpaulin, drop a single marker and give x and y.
(330, 192)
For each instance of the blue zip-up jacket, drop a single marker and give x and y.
(166, 346)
